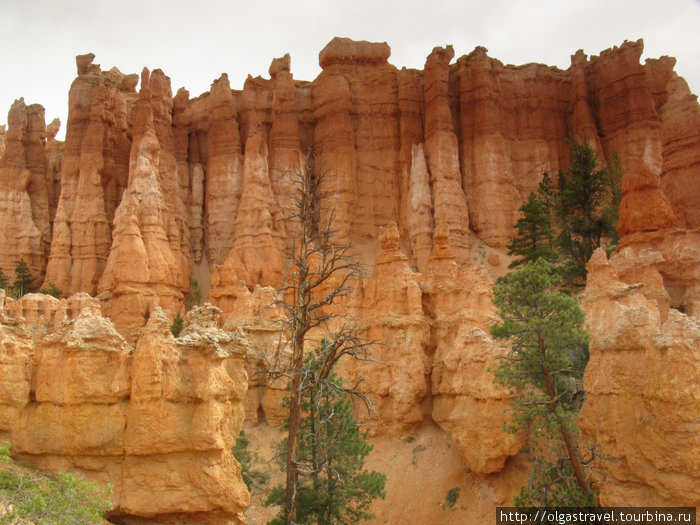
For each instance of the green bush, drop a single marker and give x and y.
(52, 290)
(45, 499)
(177, 326)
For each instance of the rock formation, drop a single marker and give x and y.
(150, 191)
(641, 383)
(157, 421)
(23, 192)
(465, 141)
(94, 173)
(143, 269)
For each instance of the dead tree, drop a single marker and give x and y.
(321, 275)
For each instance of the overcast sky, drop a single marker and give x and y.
(193, 42)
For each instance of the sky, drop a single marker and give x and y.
(193, 42)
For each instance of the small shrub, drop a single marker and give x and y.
(177, 326)
(4, 281)
(52, 290)
(451, 499)
(34, 497)
(194, 296)
(418, 448)
(4, 454)
(252, 476)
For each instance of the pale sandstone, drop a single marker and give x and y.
(154, 190)
(641, 385)
(157, 421)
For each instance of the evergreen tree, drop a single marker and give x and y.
(334, 488)
(23, 279)
(534, 233)
(177, 325)
(4, 281)
(611, 209)
(252, 476)
(589, 197)
(194, 295)
(321, 275)
(52, 290)
(545, 329)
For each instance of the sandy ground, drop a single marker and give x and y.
(427, 482)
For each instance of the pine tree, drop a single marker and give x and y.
(177, 325)
(534, 233)
(4, 281)
(334, 488)
(589, 197)
(321, 275)
(194, 295)
(23, 279)
(52, 290)
(544, 327)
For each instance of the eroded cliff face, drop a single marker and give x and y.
(425, 171)
(642, 381)
(156, 420)
(463, 140)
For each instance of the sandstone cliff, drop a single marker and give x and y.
(425, 173)
(465, 141)
(156, 420)
(641, 383)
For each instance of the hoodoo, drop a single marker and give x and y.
(152, 198)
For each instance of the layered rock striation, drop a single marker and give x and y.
(156, 420)
(464, 141)
(641, 383)
(424, 174)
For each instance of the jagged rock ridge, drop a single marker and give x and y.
(155, 190)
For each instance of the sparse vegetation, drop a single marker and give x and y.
(177, 325)
(334, 488)
(252, 475)
(23, 279)
(30, 496)
(4, 281)
(564, 224)
(52, 290)
(588, 201)
(321, 276)
(451, 498)
(194, 296)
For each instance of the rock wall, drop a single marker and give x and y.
(463, 140)
(433, 353)
(642, 381)
(156, 420)
(150, 191)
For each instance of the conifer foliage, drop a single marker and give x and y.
(334, 487)
(544, 327)
(321, 275)
(535, 233)
(566, 222)
(23, 279)
(589, 197)
(4, 281)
